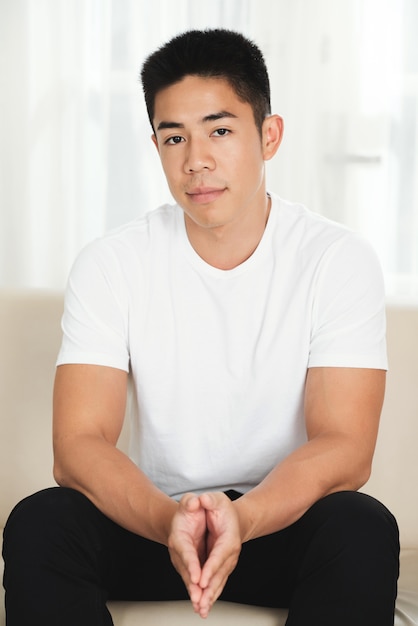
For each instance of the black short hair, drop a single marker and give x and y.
(212, 53)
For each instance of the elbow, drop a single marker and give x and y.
(360, 476)
(357, 462)
(58, 474)
(64, 461)
(364, 475)
(57, 469)
(352, 476)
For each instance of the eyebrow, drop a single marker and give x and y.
(212, 117)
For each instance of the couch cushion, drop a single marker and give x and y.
(407, 602)
(29, 338)
(181, 614)
(395, 467)
(225, 613)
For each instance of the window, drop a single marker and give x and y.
(76, 153)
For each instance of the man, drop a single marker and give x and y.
(254, 334)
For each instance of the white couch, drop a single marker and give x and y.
(29, 340)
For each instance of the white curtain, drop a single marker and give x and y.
(75, 151)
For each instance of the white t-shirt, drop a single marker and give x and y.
(219, 358)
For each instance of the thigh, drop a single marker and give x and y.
(59, 535)
(333, 551)
(135, 568)
(351, 565)
(266, 571)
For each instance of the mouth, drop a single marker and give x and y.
(204, 195)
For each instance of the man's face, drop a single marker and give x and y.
(211, 151)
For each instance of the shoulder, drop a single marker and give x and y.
(156, 223)
(296, 220)
(132, 240)
(314, 237)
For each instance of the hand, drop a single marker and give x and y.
(187, 544)
(223, 547)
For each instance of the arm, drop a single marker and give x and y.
(342, 411)
(89, 408)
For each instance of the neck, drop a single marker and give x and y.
(227, 246)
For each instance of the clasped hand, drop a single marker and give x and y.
(204, 546)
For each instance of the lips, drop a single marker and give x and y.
(204, 195)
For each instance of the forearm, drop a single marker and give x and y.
(324, 465)
(115, 485)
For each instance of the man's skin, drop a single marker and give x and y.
(213, 156)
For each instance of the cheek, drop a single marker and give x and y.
(247, 164)
(170, 168)
(240, 158)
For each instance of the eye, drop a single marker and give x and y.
(221, 132)
(174, 140)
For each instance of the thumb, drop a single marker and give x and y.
(190, 502)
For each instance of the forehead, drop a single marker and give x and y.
(197, 98)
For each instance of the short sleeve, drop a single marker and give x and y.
(348, 321)
(95, 315)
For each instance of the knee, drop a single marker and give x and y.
(362, 511)
(352, 556)
(362, 521)
(39, 517)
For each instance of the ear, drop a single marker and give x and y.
(155, 142)
(272, 134)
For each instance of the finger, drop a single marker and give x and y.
(211, 501)
(222, 559)
(187, 564)
(187, 538)
(211, 594)
(190, 502)
(194, 570)
(217, 577)
(195, 595)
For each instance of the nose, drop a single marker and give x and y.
(198, 156)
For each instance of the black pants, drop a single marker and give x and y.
(338, 565)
